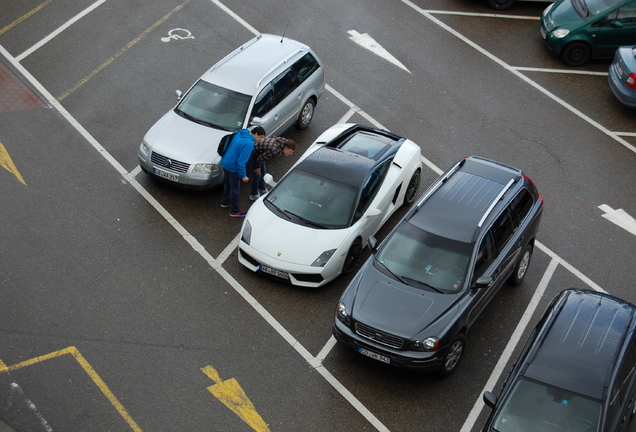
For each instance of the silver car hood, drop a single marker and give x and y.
(181, 139)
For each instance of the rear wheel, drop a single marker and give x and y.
(576, 53)
(412, 188)
(521, 268)
(353, 256)
(501, 4)
(453, 356)
(306, 114)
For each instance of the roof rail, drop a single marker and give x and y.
(441, 181)
(495, 201)
(235, 52)
(277, 65)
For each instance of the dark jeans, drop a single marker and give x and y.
(258, 184)
(231, 189)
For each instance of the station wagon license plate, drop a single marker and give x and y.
(274, 272)
(373, 355)
(164, 174)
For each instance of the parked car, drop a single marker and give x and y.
(622, 75)
(576, 371)
(413, 301)
(507, 4)
(313, 225)
(270, 81)
(580, 30)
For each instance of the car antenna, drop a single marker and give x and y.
(283, 36)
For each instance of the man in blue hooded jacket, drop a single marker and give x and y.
(233, 163)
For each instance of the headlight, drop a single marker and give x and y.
(144, 148)
(205, 168)
(247, 233)
(341, 313)
(428, 344)
(323, 258)
(560, 33)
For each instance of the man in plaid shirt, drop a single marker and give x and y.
(265, 149)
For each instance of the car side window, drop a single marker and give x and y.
(520, 207)
(627, 15)
(371, 188)
(502, 229)
(485, 256)
(264, 102)
(284, 84)
(304, 67)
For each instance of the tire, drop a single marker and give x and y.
(306, 114)
(501, 4)
(576, 54)
(521, 268)
(412, 188)
(453, 356)
(353, 257)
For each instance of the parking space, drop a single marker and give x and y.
(115, 74)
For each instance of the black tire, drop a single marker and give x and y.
(453, 356)
(412, 188)
(501, 4)
(576, 54)
(306, 114)
(353, 257)
(521, 268)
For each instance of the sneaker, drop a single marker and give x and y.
(262, 192)
(224, 205)
(239, 213)
(254, 197)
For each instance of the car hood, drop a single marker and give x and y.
(289, 242)
(178, 138)
(388, 305)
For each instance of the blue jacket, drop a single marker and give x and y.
(238, 153)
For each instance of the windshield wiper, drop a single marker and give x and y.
(196, 120)
(278, 209)
(400, 278)
(305, 221)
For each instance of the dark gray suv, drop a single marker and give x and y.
(413, 301)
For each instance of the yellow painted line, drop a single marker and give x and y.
(121, 51)
(88, 369)
(23, 17)
(232, 395)
(7, 163)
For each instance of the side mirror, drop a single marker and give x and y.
(178, 94)
(372, 242)
(490, 399)
(268, 179)
(616, 24)
(257, 121)
(374, 212)
(483, 282)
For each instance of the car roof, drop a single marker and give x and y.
(580, 347)
(243, 69)
(456, 209)
(341, 166)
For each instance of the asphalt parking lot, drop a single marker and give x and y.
(123, 296)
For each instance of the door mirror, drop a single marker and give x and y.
(268, 179)
(616, 24)
(490, 399)
(374, 212)
(483, 282)
(178, 94)
(257, 121)
(372, 242)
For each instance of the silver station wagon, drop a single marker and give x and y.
(270, 81)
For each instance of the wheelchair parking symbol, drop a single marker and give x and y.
(176, 34)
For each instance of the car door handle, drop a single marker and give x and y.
(300, 96)
(276, 116)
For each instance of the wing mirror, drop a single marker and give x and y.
(373, 243)
(178, 94)
(490, 399)
(269, 180)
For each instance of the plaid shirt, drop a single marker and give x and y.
(268, 148)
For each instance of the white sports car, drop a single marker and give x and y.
(314, 224)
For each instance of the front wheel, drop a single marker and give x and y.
(353, 256)
(501, 4)
(306, 114)
(576, 54)
(453, 356)
(412, 188)
(519, 273)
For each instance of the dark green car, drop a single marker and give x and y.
(578, 30)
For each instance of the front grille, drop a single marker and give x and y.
(548, 24)
(174, 165)
(249, 258)
(378, 336)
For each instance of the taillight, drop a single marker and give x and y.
(631, 80)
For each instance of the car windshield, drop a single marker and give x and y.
(534, 406)
(312, 200)
(591, 8)
(214, 106)
(413, 254)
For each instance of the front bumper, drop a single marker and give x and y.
(186, 179)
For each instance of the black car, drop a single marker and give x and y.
(412, 302)
(575, 373)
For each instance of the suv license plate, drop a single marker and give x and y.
(274, 272)
(373, 355)
(164, 174)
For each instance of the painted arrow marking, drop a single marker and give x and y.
(619, 217)
(369, 43)
(7, 163)
(232, 395)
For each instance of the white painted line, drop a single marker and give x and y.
(356, 108)
(33, 408)
(620, 217)
(628, 134)
(366, 41)
(521, 76)
(559, 71)
(482, 15)
(60, 30)
(324, 352)
(512, 343)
